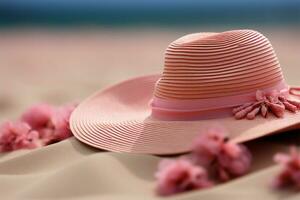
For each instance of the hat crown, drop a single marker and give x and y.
(210, 65)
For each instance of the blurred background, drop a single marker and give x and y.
(59, 51)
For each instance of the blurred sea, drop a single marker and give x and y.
(151, 13)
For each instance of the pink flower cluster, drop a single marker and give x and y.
(213, 158)
(226, 160)
(38, 126)
(175, 176)
(290, 173)
(275, 102)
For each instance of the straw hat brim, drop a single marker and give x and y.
(119, 119)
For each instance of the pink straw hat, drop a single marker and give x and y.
(231, 79)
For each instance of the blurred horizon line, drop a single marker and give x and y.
(155, 12)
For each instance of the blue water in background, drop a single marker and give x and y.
(154, 12)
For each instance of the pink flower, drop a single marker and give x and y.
(213, 155)
(274, 102)
(60, 121)
(18, 135)
(222, 158)
(175, 176)
(51, 123)
(40, 125)
(38, 116)
(29, 141)
(208, 145)
(290, 172)
(234, 160)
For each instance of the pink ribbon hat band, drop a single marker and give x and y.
(231, 78)
(205, 108)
